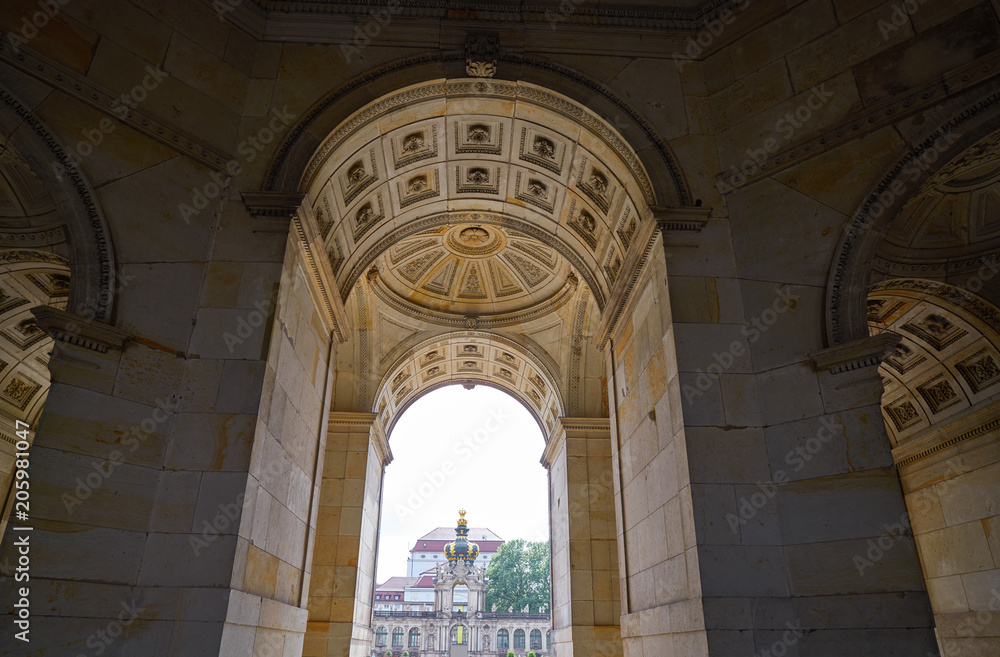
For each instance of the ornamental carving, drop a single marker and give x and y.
(980, 370)
(481, 53)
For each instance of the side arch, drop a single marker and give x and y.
(850, 273)
(92, 261)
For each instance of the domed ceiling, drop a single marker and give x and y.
(473, 270)
(467, 200)
(952, 221)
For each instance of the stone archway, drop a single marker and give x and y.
(940, 404)
(938, 156)
(476, 231)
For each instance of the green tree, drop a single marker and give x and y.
(518, 576)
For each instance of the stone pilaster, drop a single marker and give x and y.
(340, 598)
(585, 604)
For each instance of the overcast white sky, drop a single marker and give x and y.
(490, 445)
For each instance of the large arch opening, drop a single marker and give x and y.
(476, 231)
(478, 449)
(933, 304)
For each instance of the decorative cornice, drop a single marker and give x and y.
(83, 89)
(878, 116)
(572, 427)
(272, 204)
(369, 423)
(681, 220)
(661, 220)
(67, 327)
(973, 304)
(28, 238)
(288, 205)
(954, 440)
(674, 19)
(867, 352)
(322, 277)
(577, 425)
(971, 424)
(554, 445)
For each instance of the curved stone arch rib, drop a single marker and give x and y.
(478, 88)
(848, 282)
(282, 175)
(93, 266)
(412, 375)
(529, 348)
(971, 306)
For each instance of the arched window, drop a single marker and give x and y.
(397, 638)
(381, 634)
(459, 635)
(548, 639)
(503, 639)
(414, 638)
(519, 640)
(536, 639)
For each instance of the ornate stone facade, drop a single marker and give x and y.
(448, 630)
(736, 258)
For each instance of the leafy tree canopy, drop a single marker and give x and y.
(518, 576)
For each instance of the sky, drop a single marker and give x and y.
(453, 448)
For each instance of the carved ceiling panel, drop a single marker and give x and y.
(947, 360)
(471, 269)
(471, 358)
(444, 149)
(27, 279)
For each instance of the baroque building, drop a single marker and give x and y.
(456, 623)
(738, 258)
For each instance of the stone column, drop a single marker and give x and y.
(585, 606)
(340, 598)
